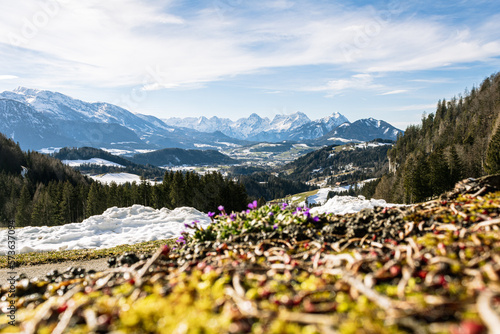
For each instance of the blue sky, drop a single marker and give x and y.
(391, 60)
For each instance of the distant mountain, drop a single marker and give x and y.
(295, 126)
(25, 125)
(43, 118)
(179, 157)
(39, 119)
(318, 128)
(362, 130)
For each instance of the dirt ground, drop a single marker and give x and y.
(43, 269)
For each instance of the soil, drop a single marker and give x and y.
(42, 269)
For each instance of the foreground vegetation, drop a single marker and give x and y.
(430, 268)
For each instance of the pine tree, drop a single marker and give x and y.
(23, 211)
(112, 197)
(456, 166)
(67, 203)
(43, 208)
(493, 154)
(94, 201)
(177, 193)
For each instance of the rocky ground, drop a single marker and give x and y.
(428, 268)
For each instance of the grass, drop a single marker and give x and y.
(35, 258)
(299, 198)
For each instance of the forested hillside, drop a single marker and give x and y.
(461, 139)
(269, 186)
(36, 189)
(86, 153)
(179, 157)
(351, 163)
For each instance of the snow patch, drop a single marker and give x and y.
(118, 178)
(49, 150)
(93, 161)
(341, 205)
(116, 226)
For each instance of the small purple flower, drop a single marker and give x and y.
(232, 216)
(252, 205)
(248, 211)
(284, 206)
(316, 219)
(193, 224)
(221, 208)
(275, 226)
(270, 214)
(211, 214)
(181, 240)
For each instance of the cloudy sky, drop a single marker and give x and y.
(390, 60)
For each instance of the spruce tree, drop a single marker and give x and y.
(23, 211)
(94, 201)
(177, 192)
(493, 154)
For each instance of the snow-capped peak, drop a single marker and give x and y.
(289, 122)
(26, 91)
(332, 121)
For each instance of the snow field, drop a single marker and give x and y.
(116, 226)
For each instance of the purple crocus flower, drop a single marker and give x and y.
(222, 210)
(252, 205)
(284, 206)
(211, 214)
(232, 216)
(181, 240)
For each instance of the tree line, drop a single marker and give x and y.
(461, 139)
(50, 193)
(60, 202)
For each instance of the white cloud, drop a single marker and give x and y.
(8, 77)
(133, 42)
(392, 92)
(361, 81)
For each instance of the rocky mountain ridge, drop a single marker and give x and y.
(39, 119)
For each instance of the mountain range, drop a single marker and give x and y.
(39, 119)
(296, 126)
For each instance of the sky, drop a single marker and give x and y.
(391, 60)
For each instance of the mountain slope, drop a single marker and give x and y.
(362, 130)
(340, 163)
(23, 124)
(318, 128)
(77, 123)
(451, 144)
